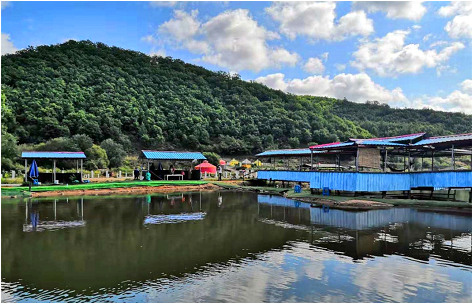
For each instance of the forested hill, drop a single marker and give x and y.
(147, 102)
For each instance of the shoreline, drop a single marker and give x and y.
(317, 201)
(126, 190)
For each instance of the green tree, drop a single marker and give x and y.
(96, 158)
(115, 152)
(212, 158)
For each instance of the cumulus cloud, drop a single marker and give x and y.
(355, 87)
(461, 25)
(232, 39)
(455, 8)
(316, 20)
(457, 101)
(314, 65)
(412, 10)
(389, 56)
(7, 45)
(466, 86)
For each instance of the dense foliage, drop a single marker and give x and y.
(142, 102)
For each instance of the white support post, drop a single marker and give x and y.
(357, 159)
(26, 170)
(81, 170)
(91, 173)
(453, 160)
(311, 160)
(54, 172)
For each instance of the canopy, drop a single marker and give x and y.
(206, 167)
(222, 162)
(246, 162)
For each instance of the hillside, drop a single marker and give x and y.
(164, 103)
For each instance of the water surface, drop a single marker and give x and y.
(230, 247)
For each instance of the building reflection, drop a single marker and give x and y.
(411, 232)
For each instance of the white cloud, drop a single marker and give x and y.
(314, 66)
(438, 43)
(340, 67)
(316, 20)
(182, 27)
(7, 45)
(325, 56)
(232, 39)
(461, 24)
(456, 8)
(355, 87)
(159, 52)
(416, 27)
(426, 37)
(412, 10)
(163, 3)
(460, 27)
(389, 56)
(457, 101)
(445, 69)
(149, 39)
(466, 86)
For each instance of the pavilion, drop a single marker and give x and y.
(54, 156)
(371, 165)
(151, 156)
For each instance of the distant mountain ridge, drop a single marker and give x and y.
(143, 102)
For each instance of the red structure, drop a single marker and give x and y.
(222, 162)
(206, 167)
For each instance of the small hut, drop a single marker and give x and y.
(206, 167)
(246, 163)
(233, 162)
(257, 163)
(222, 162)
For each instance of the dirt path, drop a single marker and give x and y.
(128, 190)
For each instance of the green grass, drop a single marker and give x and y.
(93, 186)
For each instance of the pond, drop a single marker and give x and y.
(229, 247)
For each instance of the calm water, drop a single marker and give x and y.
(229, 246)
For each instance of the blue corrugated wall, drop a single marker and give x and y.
(372, 182)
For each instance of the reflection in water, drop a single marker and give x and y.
(252, 248)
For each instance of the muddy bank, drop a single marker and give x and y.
(127, 190)
(355, 204)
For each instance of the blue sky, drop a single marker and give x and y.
(406, 54)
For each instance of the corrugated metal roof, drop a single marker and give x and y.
(333, 145)
(53, 155)
(395, 138)
(293, 152)
(380, 143)
(172, 155)
(444, 139)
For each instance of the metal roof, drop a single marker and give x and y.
(172, 155)
(394, 138)
(53, 155)
(281, 152)
(369, 142)
(445, 139)
(333, 145)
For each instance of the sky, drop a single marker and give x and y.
(405, 54)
